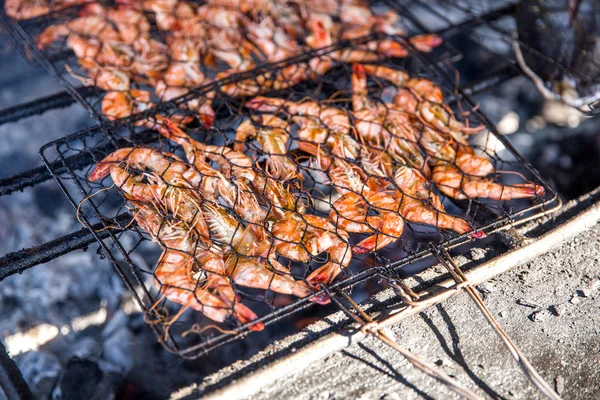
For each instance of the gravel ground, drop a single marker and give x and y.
(549, 307)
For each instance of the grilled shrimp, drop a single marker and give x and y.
(250, 262)
(201, 105)
(172, 278)
(418, 203)
(91, 26)
(184, 67)
(116, 105)
(177, 193)
(178, 201)
(261, 275)
(331, 117)
(470, 163)
(442, 150)
(388, 225)
(350, 212)
(130, 23)
(230, 161)
(383, 126)
(273, 138)
(172, 273)
(113, 54)
(104, 77)
(459, 186)
(237, 57)
(318, 123)
(26, 9)
(423, 98)
(300, 237)
(269, 81)
(439, 148)
(166, 166)
(213, 183)
(274, 43)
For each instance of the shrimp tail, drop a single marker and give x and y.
(426, 43)
(207, 115)
(101, 170)
(267, 104)
(324, 275)
(246, 315)
(172, 131)
(527, 190)
(372, 243)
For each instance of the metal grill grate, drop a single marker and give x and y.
(130, 248)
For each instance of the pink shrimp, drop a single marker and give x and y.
(299, 237)
(251, 262)
(92, 26)
(272, 135)
(418, 203)
(459, 186)
(116, 105)
(172, 273)
(350, 211)
(384, 126)
(331, 117)
(423, 98)
(178, 201)
(202, 105)
(212, 183)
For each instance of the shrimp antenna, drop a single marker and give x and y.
(514, 173)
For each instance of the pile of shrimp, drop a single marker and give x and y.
(193, 211)
(224, 219)
(192, 45)
(27, 9)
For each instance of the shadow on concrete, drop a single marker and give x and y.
(390, 371)
(456, 353)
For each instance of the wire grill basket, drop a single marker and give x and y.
(288, 269)
(154, 56)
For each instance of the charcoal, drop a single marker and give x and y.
(83, 379)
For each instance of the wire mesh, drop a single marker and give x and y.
(331, 182)
(554, 43)
(143, 53)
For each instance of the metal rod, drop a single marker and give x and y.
(480, 20)
(40, 174)
(21, 260)
(489, 81)
(74, 162)
(460, 278)
(370, 326)
(11, 380)
(38, 106)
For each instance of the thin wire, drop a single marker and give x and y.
(523, 362)
(368, 325)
